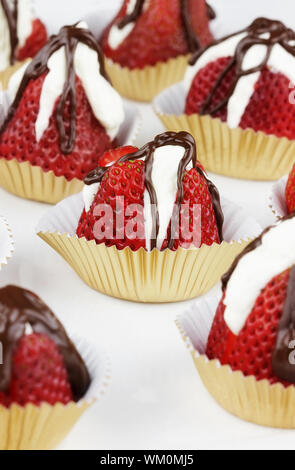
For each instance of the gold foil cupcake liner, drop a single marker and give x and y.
(245, 397)
(140, 276)
(6, 242)
(144, 84)
(31, 182)
(43, 428)
(231, 152)
(278, 199)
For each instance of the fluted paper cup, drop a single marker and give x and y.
(6, 242)
(236, 152)
(245, 397)
(158, 276)
(278, 199)
(44, 427)
(144, 84)
(31, 182)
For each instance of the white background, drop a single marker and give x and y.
(156, 399)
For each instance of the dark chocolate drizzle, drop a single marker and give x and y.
(210, 11)
(185, 140)
(19, 307)
(281, 364)
(192, 40)
(278, 34)
(11, 17)
(69, 37)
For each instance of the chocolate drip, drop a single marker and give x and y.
(210, 11)
(11, 17)
(68, 37)
(133, 16)
(251, 247)
(19, 307)
(192, 40)
(182, 139)
(277, 33)
(281, 365)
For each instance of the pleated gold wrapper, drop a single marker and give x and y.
(144, 84)
(31, 182)
(158, 276)
(245, 397)
(236, 152)
(44, 427)
(37, 428)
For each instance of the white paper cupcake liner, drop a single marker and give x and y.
(165, 276)
(245, 397)
(277, 199)
(6, 242)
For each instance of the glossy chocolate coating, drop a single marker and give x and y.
(182, 139)
(68, 37)
(19, 307)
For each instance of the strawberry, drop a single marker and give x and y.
(38, 373)
(127, 179)
(113, 155)
(158, 34)
(34, 42)
(202, 85)
(123, 179)
(18, 140)
(251, 350)
(290, 191)
(269, 109)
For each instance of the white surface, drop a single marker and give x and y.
(156, 399)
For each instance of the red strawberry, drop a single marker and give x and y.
(158, 34)
(251, 350)
(113, 155)
(269, 109)
(34, 42)
(127, 179)
(290, 191)
(38, 373)
(18, 141)
(123, 179)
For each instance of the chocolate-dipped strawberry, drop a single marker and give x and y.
(244, 79)
(64, 113)
(154, 197)
(22, 34)
(145, 32)
(254, 327)
(40, 363)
